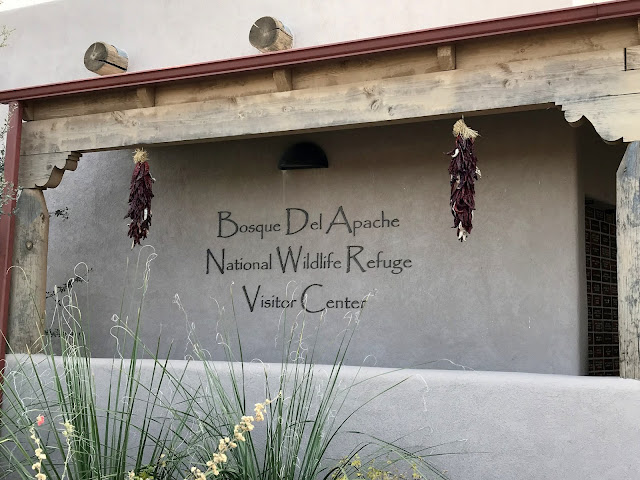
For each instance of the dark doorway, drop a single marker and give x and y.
(602, 288)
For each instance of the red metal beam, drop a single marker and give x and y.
(7, 223)
(521, 23)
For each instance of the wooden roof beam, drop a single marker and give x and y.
(593, 84)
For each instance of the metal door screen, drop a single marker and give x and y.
(602, 289)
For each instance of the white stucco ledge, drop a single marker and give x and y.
(496, 425)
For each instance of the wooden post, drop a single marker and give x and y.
(628, 241)
(7, 224)
(105, 59)
(269, 34)
(29, 279)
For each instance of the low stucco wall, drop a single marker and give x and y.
(494, 425)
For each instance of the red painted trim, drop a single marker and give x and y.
(521, 23)
(7, 223)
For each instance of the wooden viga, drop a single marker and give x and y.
(105, 59)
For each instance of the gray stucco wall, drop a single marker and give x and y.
(490, 425)
(508, 299)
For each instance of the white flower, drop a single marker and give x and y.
(40, 455)
(68, 428)
(219, 458)
(198, 474)
(222, 444)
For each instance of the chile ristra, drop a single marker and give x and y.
(463, 171)
(140, 197)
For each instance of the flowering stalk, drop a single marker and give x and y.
(39, 452)
(140, 196)
(68, 434)
(463, 172)
(226, 444)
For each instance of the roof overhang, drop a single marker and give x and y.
(338, 51)
(584, 60)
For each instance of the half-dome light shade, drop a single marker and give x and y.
(303, 155)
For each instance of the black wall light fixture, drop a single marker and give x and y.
(303, 155)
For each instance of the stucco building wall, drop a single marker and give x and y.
(507, 280)
(508, 299)
(511, 298)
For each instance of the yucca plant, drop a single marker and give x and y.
(54, 424)
(158, 422)
(304, 413)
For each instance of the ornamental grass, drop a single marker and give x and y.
(191, 419)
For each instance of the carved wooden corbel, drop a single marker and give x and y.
(611, 112)
(45, 170)
(610, 116)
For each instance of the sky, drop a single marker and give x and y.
(11, 4)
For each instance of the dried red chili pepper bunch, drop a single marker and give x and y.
(463, 172)
(140, 197)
